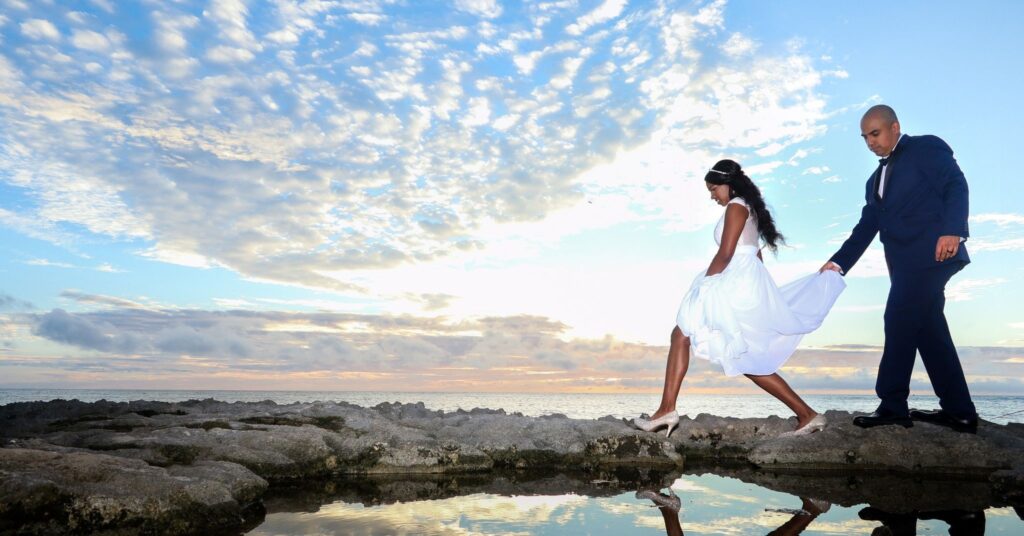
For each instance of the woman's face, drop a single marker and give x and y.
(719, 193)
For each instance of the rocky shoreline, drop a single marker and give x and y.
(204, 466)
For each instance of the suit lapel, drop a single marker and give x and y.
(893, 167)
(873, 187)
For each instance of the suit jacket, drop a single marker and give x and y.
(925, 197)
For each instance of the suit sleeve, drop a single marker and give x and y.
(863, 233)
(952, 185)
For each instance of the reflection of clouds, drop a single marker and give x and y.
(767, 521)
(653, 520)
(711, 505)
(470, 514)
(718, 496)
(617, 507)
(850, 526)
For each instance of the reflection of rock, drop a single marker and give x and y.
(286, 443)
(387, 489)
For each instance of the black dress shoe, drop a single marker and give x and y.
(898, 524)
(941, 418)
(879, 418)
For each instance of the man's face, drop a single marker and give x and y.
(879, 136)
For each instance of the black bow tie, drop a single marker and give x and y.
(883, 161)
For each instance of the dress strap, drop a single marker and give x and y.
(738, 201)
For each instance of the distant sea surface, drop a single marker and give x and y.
(998, 409)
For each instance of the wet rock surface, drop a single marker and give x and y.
(205, 465)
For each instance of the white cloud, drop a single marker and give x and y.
(45, 262)
(300, 17)
(505, 122)
(871, 264)
(108, 268)
(170, 30)
(369, 19)
(30, 226)
(570, 66)
(231, 16)
(365, 50)
(607, 11)
(228, 54)
(488, 9)
(739, 45)
(174, 256)
(1000, 219)
(372, 155)
(967, 289)
(479, 112)
(40, 29)
(286, 36)
(175, 68)
(1006, 244)
(105, 5)
(90, 40)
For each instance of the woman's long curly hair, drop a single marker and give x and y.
(730, 173)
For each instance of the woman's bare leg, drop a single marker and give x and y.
(675, 371)
(777, 387)
(672, 527)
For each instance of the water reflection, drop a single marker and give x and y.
(740, 503)
(960, 522)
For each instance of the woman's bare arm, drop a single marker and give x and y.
(735, 219)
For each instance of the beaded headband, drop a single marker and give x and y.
(727, 178)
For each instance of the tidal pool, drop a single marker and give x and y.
(729, 502)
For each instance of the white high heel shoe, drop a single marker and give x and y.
(816, 424)
(670, 501)
(671, 420)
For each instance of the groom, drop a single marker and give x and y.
(917, 204)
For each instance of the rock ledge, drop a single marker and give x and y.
(204, 465)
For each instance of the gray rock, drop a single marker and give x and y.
(52, 492)
(198, 439)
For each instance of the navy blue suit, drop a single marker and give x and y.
(924, 197)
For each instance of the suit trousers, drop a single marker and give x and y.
(915, 322)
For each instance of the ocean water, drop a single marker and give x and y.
(997, 409)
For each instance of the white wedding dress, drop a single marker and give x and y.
(741, 320)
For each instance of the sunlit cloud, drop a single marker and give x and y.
(967, 289)
(348, 191)
(292, 164)
(336, 350)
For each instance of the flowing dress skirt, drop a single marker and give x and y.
(741, 320)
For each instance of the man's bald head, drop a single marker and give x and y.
(883, 112)
(880, 129)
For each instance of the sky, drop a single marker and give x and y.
(469, 195)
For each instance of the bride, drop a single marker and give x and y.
(735, 315)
